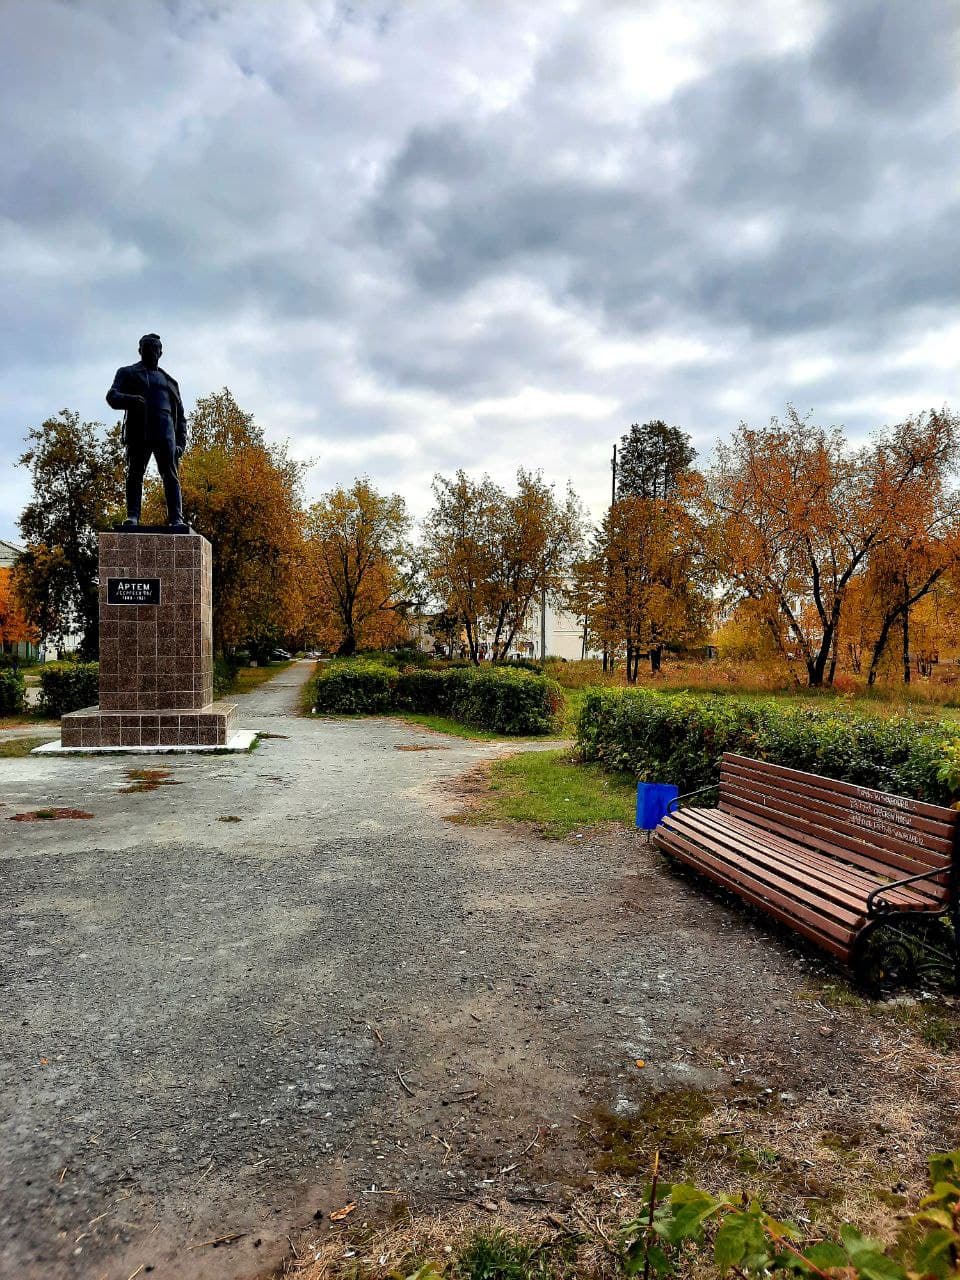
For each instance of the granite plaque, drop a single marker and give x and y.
(133, 591)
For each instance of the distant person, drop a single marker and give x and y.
(153, 423)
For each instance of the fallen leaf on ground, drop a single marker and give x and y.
(338, 1215)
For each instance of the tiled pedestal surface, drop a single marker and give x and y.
(156, 659)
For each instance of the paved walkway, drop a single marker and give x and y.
(211, 991)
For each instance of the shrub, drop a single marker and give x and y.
(504, 700)
(526, 664)
(408, 655)
(500, 699)
(224, 673)
(680, 737)
(354, 684)
(427, 690)
(12, 691)
(68, 686)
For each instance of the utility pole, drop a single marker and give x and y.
(543, 624)
(607, 656)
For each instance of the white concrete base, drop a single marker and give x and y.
(242, 740)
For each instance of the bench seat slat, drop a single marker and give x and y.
(746, 860)
(780, 907)
(834, 879)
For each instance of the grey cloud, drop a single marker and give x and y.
(307, 200)
(892, 56)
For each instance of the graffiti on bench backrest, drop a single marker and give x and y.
(884, 815)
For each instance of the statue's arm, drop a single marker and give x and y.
(119, 399)
(181, 428)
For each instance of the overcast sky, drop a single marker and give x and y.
(423, 235)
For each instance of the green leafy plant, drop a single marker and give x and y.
(681, 1221)
(12, 691)
(68, 686)
(680, 737)
(500, 699)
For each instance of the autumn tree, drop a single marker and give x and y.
(923, 540)
(652, 460)
(534, 538)
(640, 586)
(490, 554)
(459, 549)
(76, 472)
(243, 494)
(360, 561)
(15, 627)
(792, 515)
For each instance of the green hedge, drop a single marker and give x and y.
(504, 700)
(12, 691)
(224, 674)
(499, 699)
(355, 685)
(680, 737)
(68, 686)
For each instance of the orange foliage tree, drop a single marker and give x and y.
(490, 554)
(76, 474)
(15, 627)
(243, 494)
(359, 566)
(641, 586)
(792, 515)
(923, 540)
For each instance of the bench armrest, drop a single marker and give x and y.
(675, 802)
(877, 909)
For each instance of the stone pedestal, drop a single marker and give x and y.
(156, 647)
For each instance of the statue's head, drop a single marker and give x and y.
(151, 348)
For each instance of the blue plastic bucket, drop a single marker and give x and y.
(653, 803)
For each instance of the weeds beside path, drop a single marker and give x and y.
(549, 789)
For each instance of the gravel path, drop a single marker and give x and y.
(215, 1026)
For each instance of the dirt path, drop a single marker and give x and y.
(214, 1026)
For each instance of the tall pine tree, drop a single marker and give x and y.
(652, 458)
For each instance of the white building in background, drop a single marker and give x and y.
(552, 632)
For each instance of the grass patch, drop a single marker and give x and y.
(553, 791)
(667, 1122)
(14, 748)
(933, 1021)
(455, 728)
(501, 1255)
(247, 678)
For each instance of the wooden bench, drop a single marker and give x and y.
(831, 860)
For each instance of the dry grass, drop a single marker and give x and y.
(149, 780)
(573, 1232)
(838, 1155)
(940, 694)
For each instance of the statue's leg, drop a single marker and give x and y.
(138, 455)
(165, 452)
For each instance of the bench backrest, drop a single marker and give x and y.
(885, 834)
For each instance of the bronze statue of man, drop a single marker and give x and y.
(153, 423)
